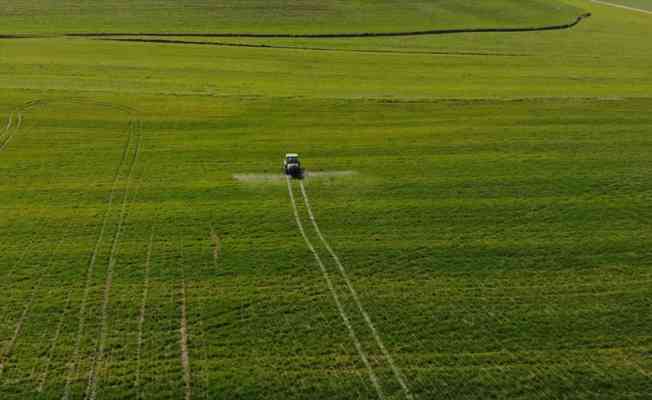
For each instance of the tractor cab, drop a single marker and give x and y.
(292, 165)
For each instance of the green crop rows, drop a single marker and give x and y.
(488, 197)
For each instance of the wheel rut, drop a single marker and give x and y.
(91, 389)
(336, 298)
(354, 294)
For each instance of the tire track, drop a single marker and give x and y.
(72, 368)
(201, 328)
(204, 358)
(6, 353)
(336, 298)
(184, 353)
(9, 133)
(8, 126)
(53, 345)
(141, 316)
(18, 121)
(183, 331)
(41, 103)
(27, 250)
(9, 348)
(91, 388)
(397, 372)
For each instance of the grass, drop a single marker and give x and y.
(496, 228)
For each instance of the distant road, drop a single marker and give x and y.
(622, 6)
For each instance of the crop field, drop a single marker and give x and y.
(475, 221)
(272, 16)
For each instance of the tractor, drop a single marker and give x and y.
(292, 166)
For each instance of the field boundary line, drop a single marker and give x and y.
(141, 316)
(91, 390)
(397, 373)
(90, 269)
(331, 288)
(605, 3)
(568, 25)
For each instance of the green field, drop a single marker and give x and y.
(487, 197)
(273, 16)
